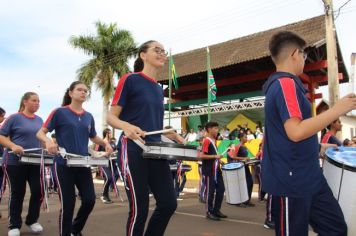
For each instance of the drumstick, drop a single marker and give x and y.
(225, 151)
(159, 131)
(29, 150)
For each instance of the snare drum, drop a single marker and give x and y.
(170, 151)
(87, 161)
(340, 172)
(234, 177)
(35, 158)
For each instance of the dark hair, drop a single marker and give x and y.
(346, 142)
(282, 39)
(211, 124)
(2, 111)
(66, 98)
(53, 135)
(25, 97)
(105, 132)
(138, 65)
(241, 135)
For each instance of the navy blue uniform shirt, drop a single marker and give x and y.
(73, 130)
(141, 99)
(289, 168)
(209, 148)
(21, 130)
(330, 138)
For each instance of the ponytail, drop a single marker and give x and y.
(66, 98)
(138, 65)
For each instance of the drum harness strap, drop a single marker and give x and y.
(124, 161)
(44, 187)
(216, 161)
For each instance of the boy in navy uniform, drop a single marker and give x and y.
(291, 171)
(212, 173)
(240, 154)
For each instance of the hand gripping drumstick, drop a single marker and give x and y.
(29, 150)
(159, 131)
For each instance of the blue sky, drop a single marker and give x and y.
(35, 54)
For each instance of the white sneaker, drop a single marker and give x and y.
(14, 232)
(36, 227)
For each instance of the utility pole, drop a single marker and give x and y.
(333, 73)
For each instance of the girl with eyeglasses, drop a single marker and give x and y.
(73, 127)
(137, 107)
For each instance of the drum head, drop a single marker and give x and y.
(172, 145)
(343, 157)
(232, 166)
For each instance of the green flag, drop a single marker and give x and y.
(212, 86)
(212, 90)
(173, 72)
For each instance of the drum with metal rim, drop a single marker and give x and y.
(33, 157)
(340, 172)
(234, 177)
(170, 151)
(86, 161)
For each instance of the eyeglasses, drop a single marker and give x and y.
(305, 54)
(160, 51)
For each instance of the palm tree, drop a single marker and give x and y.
(109, 50)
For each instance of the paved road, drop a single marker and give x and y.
(189, 219)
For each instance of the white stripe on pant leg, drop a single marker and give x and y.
(61, 200)
(207, 194)
(133, 195)
(287, 217)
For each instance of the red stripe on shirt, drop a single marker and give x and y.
(49, 118)
(206, 144)
(290, 97)
(326, 138)
(118, 91)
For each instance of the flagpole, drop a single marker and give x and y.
(169, 87)
(207, 72)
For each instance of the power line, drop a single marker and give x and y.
(338, 11)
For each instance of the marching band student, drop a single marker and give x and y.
(330, 136)
(16, 134)
(108, 170)
(202, 187)
(73, 126)
(290, 167)
(137, 107)
(240, 153)
(2, 118)
(259, 156)
(212, 173)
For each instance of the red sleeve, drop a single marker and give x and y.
(120, 92)
(325, 138)
(290, 97)
(206, 144)
(49, 123)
